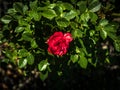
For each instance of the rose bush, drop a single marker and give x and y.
(59, 43)
(26, 28)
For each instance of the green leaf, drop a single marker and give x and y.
(51, 6)
(103, 34)
(25, 9)
(94, 6)
(23, 52)
(6, 19)
(8, 53)
(83, 62)
(83, 46)
(42, 66)
(22, 22)
(77, 50)
(33, 44)
(92, 32)
(50, 14)
(35, 15)
(62, 22)
(117, 45)
(77, 33)
(85, 17)
(34, 5)
(103, 22)
(19, 29)
(110, 28)
(30, 59)
(93, 16)
(74, 58)
(26, 35)
(18, 7)
(22, 63)
(11, 11)
(43, 76)
(58, 10)
(82, 6)
(67, 6)
(69, 15)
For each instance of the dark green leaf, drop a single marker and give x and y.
(43, 76)
(93, 17)
(30, 59)
(50, 14)
(25, 9)
(8, 53)
(62, 22)
(83, 46)
(77, 33)
(58, 10)
(110, 28)
(26, 35)
(18, 7)
(34, 5)
(117, 45)
(69, 15)
(82, 6)
(83, 62)
(112, 35)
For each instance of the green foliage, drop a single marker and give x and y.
(27, 28)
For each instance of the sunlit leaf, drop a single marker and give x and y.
(68, 6)
(43, 65)
(22, 63)
(74, 58)
(103, 34)
(103, 22)
(6, 19)
(35, 15)
(19, 29)
(94, 6)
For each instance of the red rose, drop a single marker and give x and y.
(58, 43)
